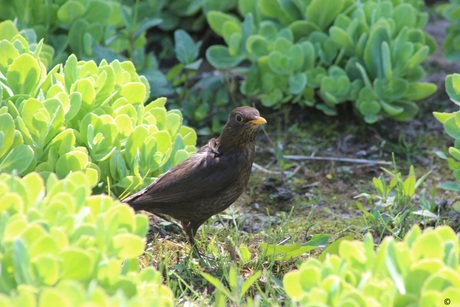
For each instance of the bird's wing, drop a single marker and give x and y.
(202, 174)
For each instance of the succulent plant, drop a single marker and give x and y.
(83, 116)
(61, 245)
(422, 270)
(324, 53)
(452, 127)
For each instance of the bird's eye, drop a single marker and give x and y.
(239, 118)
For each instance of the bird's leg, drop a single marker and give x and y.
(190, 229)
(186, 227)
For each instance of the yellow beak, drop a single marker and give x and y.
(259, 120)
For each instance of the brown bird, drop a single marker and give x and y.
(210, 180)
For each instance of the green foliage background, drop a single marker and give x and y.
(324, 53)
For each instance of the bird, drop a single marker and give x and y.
(210, 180)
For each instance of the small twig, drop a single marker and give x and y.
(350, 160)
(263, 169)
(298, 167)
(286, 239)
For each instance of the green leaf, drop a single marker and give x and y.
(128, 245)
(451, 126)
(70, 11)
(317, 240)
(220, 58)
(216, 283)
(391, 108)
(233, 36)
(98, 12)
(419, 57)
(453, 87)
(8, 30)
(70, 162)
(309, 57)
(93, 174)
(134, 92)
(18, 159)
(272, 98)
(246, 7)
(47, 268)
(392, 90)
(296, 57)
(249, 282)
(134, 142)
(405, 15)
(257, 46)
(278, 63)
(173, 121)
(373, 51)
(6, 133)
(186, 49)
(333, 248)
(51, 296)
(454, 152)
(271, 8)
(323, 12)
(217, 21)
(409, 186)
(43, 245)
(194, 65)
(233, 278)
(283, 44)
(20, 259)
(118, 169)
(36, 118)
(142, 225)
(145, 25)
(369, 107)
(268, 29)
(292, 285)
(419, 91)
(70, 71)
(410, 109)
(35, 186)
(449, 186)
(393, 268)
(85, 87)
(245, 254)
(285, 252)
(443, 117)
(76, 264)
(24, 75)
(11, 202)
(342, 39)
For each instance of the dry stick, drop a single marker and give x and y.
(350, 160)
(265, 170)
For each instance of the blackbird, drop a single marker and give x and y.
(210, 180)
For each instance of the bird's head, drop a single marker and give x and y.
(241, 128)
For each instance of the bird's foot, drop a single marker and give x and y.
(203, 259)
